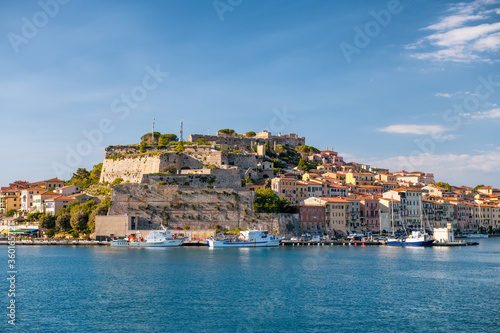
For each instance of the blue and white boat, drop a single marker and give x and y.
(417, 238)
(247, 238)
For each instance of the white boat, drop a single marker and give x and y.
(156, 238)
(247, 238)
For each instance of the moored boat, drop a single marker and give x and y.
(417, 238)
(156, 238)
(247, 238)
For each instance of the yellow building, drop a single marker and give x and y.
(9, 199)
(360, 178)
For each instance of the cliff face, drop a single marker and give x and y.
(176, 206)
(128, 163)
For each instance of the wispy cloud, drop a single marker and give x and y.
(447, 95)
(491, 114)
(457, 168)
(436, 131)
(453, 41)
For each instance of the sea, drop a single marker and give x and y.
(286, 289)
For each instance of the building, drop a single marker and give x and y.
(336, 210)
(53, 183)
(10, 199)
(337, 190)
(390, 215)
(437, 191)
(410, 206)
(52, 205)
(312, 218)
(415, 177)
(39, 200)
(369, 214)
(285, 188)
(27, 198)
(68, 190)
(360, 178)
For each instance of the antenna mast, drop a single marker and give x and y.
(153, 133)
(182, 139)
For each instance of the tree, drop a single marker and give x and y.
(146, 138)
(303, 165)
(306, 150)
(250, 134)
(47, 221)
(63, 221)
(267, 201)
(142, 148)
(478, 186)
(100, 210)
(83, 178)
(50, 233)
(79, 218)
(444, 185)
(202, 142)
(179, 147)
(167, 138)
(227, 131)
(11, 212)
(171, 169)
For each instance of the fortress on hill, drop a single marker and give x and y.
(198, 185)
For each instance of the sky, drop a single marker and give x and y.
(411, 85)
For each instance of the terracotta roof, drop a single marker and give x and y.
(54, 180)
(61, 197)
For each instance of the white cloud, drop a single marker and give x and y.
(495, 113)
(460, 169)
(436, 131)
(447, 95)
(453, 41)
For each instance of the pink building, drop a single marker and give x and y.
(369, 214)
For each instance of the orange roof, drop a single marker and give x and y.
(54, 180)
(61, 197)
(49, 193)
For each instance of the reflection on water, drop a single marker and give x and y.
(100, 289)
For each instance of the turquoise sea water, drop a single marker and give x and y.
(300, 289)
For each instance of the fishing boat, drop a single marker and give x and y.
(247, 238)
(156, 238)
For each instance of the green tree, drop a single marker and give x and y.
(118, 181)
(83, 178)
(267, 201)
(202, 142)
(444, 185)
(11, 212)
(146, 138)
(142, 148)
(75, 234)
(100, 210)
(478, 186)
(79, 218)
(47, 221)
(306, 150)
(50, 233)
(167, 138)
(63, 220)
(227, 131)
(179, 147)
(250, 134)
(303, 165)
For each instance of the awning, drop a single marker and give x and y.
(6, 231)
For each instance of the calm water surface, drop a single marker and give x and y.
(301, 289)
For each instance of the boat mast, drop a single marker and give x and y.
(392, 217)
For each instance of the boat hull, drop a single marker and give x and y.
(405, 243)
(166, 243)
(229, 244)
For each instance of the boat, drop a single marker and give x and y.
(156, 238)
(477, 236)
(247, 238)
(417, 238)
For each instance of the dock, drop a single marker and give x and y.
(451, 244)
(327, 243)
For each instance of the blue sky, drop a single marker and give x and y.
(409, 95)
